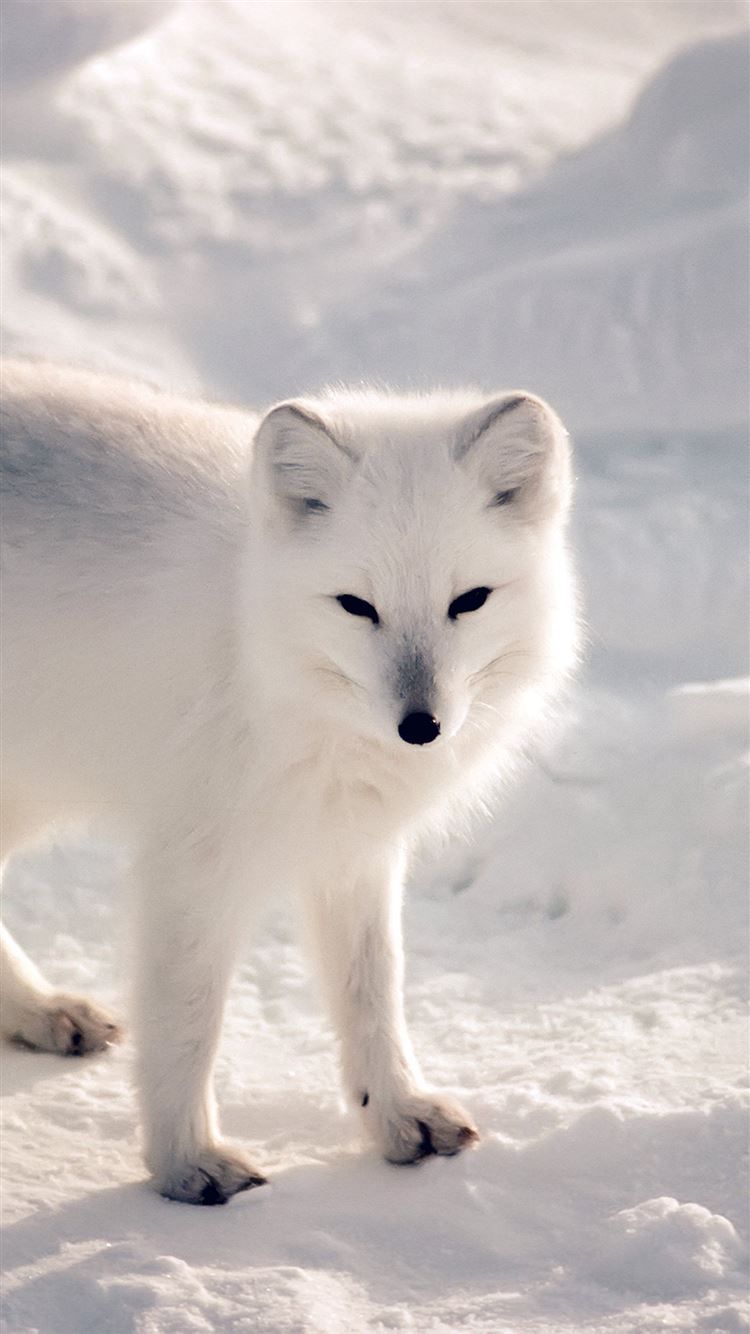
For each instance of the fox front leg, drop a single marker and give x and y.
(186, 946)
(356, 933)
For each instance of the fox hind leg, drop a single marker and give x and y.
(36, 1015)
(32, 1012)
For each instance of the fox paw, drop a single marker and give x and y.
(421, 1124)
(67, 1025)
(213, 1176)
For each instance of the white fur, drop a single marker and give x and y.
(177, 667)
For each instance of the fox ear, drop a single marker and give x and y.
(520, 448)
(306, 466)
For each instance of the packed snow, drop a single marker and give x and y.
(251, 199)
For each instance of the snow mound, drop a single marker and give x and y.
(617, 285)
(68, 271)
(665, 1250)
(685, 139)
(382, 191)
(60, 257)
(49, 36)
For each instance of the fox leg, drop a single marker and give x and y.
(356, 934)
(32, 1011)
(187, 937)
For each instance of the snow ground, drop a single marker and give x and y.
(250, 199)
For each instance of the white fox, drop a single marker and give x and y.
(267, 653)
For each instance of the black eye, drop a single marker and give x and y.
(471, 601)
(504, 497)
(358, 607)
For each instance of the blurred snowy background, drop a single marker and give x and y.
(247, 200)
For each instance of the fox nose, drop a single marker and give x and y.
(419, 729)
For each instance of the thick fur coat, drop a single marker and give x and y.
(268, 653)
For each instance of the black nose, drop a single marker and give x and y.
(418, 729)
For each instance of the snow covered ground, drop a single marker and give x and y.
(248, 199)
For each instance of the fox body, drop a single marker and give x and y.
(265, 653)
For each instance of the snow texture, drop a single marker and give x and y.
(250, 199)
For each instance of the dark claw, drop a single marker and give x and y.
(426, 1146)
(365, 1099)
(250, 1182)
(212, 1192)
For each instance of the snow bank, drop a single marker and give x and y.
(52, 35)
(617, 285)
(370, 190)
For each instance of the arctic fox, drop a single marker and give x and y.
(263, 653)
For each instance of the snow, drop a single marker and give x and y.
(250, 199)
(666, 1246)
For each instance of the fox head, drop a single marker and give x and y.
(410, 562)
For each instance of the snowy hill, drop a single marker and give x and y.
(249, 199)
(618, 283)
(258, 198)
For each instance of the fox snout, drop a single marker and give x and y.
(419, 729)
(415, 681)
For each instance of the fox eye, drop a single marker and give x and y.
(358, 607)
(504, 497)
(471, 601)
